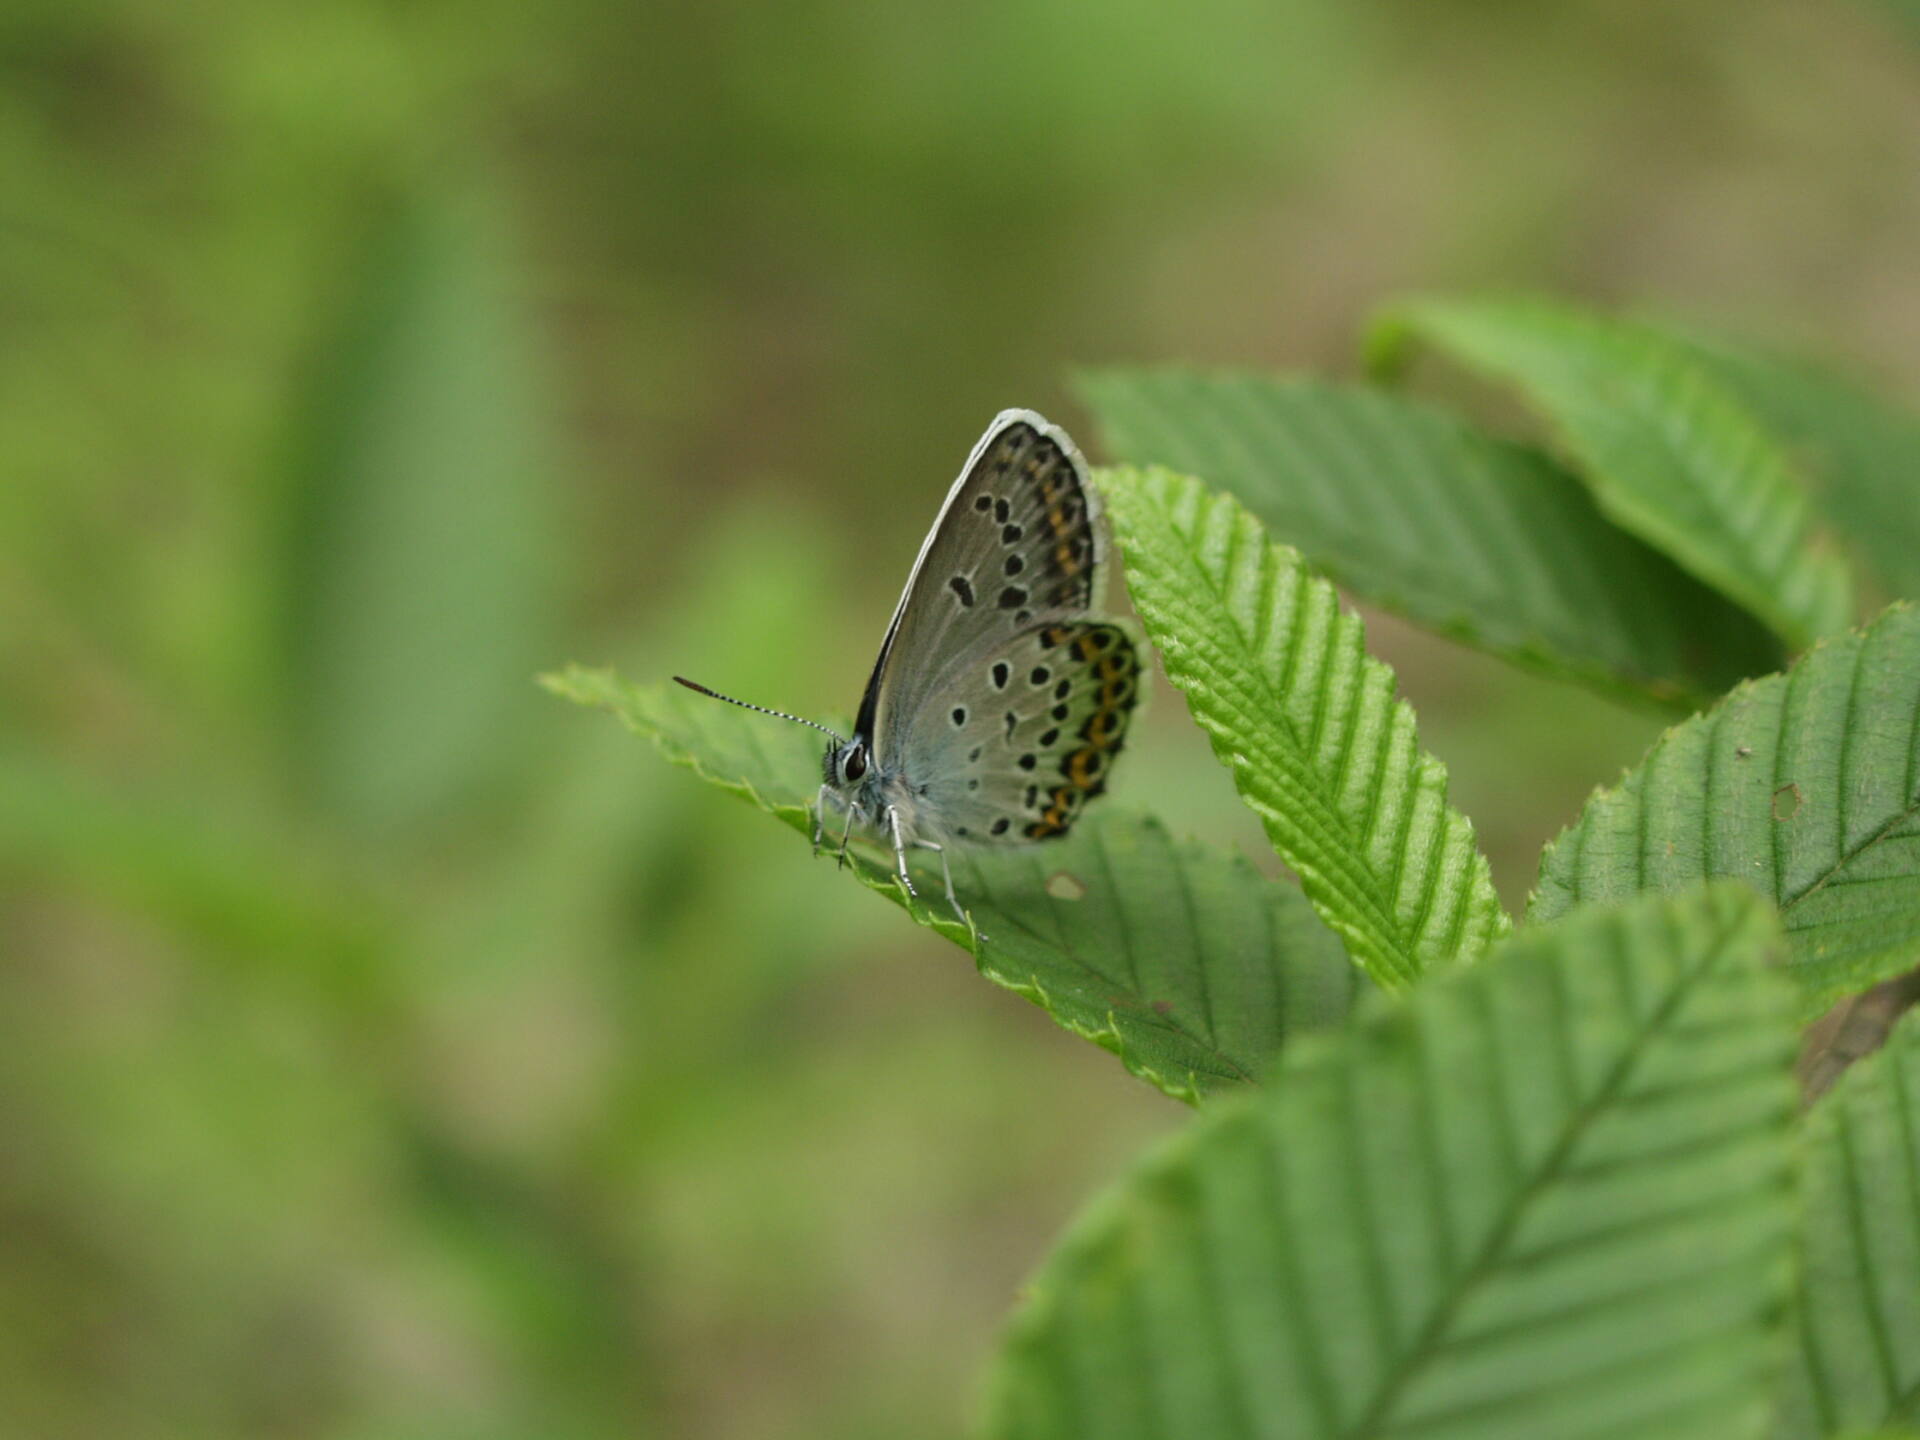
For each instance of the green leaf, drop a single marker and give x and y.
(1546, 1196)
(1669, 452)
(1181, 959)
(1278, 676)
(1856, 1361)
(420, 557)
(1804, 785)
(1861, 452)
(1485, 541)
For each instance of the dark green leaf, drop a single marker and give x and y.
(1485, 541)
(1668, 450)
(1862, 453)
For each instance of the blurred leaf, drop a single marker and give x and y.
(1279, 678)
(1804, 785)
(1669, 453)
(1856, 1363)
(1863, 452)
(1484, 541)
(1907, 11)
(237, 886)
(1182, 960)
(1546, 1196)
(420, 560)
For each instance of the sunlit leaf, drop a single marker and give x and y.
(1278, 676)
(1856, 1363)
(1804, 785)
(1485, 541)
(1546, 1196)
(1179, 958)
(1670, 453)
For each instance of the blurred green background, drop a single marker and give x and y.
(389, 1050)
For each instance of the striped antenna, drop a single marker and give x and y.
(777, 714)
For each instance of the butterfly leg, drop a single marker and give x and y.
(900, 851)
(853, 813)
(946, 873)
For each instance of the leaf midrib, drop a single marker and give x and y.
(1405, 958)
(1481, 1268)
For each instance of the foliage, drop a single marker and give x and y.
(1670, 455)
(1543, 1193)
(1177, 957)
(417, 579)
(1483, 540)
(389, 1050)
(1859, 451)
(1856, 1360)
(1546, 1197)
(1804, 785)
(1278, 676)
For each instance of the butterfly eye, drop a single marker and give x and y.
(855, 764)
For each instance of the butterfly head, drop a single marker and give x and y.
(848, 763)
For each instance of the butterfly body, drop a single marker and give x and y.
(996, 705)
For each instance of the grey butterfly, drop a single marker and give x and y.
(996, 705)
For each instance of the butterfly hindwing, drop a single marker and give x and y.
(1014, 741)
(1015, 545)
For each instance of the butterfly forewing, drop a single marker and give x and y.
(1014, 546)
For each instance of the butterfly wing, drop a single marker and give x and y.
(1014, 546)
(1017, 737)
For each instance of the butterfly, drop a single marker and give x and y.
(997, 704)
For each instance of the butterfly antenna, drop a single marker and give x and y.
(777, 714)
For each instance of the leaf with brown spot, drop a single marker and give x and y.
(1805, 786)
(1240, 961)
